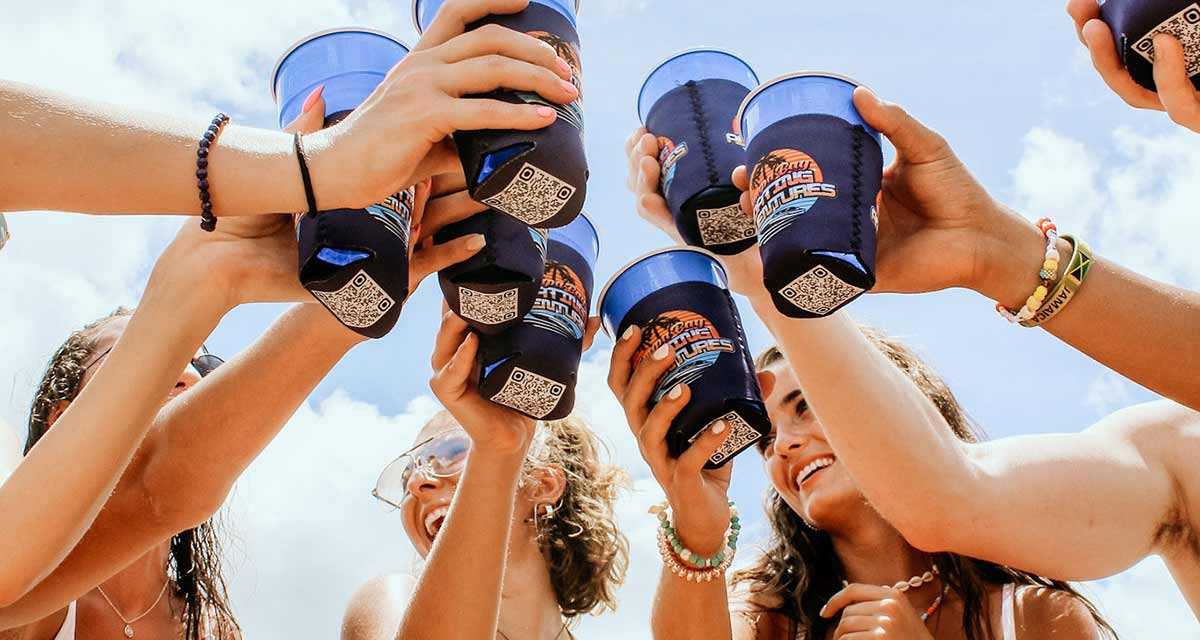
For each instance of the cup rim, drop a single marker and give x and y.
(595, 232)
(416, 22)
(646, 256)
(663, 63)
(741, 112)
(319, 34)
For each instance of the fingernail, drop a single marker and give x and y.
(568, 86)
(662, 352)
(476, 241)
(676, 391)
(564, 67)
(628, 333)
(719, 427)
(546, 112)
(312, 98)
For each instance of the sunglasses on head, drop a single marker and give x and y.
(203, 363)
(441, 456)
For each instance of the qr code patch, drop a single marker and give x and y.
(818, 291)
(533, 395)
(741, 435)
(488, 308)
(1185, 26)
(726, 225)
(533, 196)
(359, 304)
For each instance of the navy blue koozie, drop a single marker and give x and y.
(815, 173)
(353, 261)
(681, 297)
(688, 103)
(1134, 24)
(532, 367)
(538, 177)
(493, 289)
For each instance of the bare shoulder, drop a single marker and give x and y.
(1153, 426)
(377, 608)
(751, 616)
(1049, 613)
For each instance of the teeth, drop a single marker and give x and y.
(819, 463)
(432, 518)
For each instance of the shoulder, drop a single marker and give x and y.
(377, 608)
(45, 629)
(1151, 425)
(1042, 612)
(751, 616)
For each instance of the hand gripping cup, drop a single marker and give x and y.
(680, 297)
(532, 367)
(688, 103)
(1134, 24)
(815, 174)
(538, 177)
(495, 288)
(354, 261)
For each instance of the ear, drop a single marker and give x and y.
(56, 412)
(545, 485)
(766, 382)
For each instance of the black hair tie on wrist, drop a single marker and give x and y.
(298, 142)
(208, 221)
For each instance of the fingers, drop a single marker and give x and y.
(652, 434)
(621, 365)
(1103, 48)
(491, 72)
(480, 113)
(850, 626)
(640, 391)
(451, 181)
(312, 114)
(447, 210)
(493, 39)
(452, 380)
(448, 339)
(454, 16)
(741, 180)
(1082, 11)
(916, 143)
(1175, 90)
(853, 594)
(589, 332)
(633, 139)
(703, 448)
(432, 258)
(634, 154)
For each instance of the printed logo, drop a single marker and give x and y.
(694, 339)
(562, 303)
(573, 112)
(785, 185)
(541, 238)
(669, 155)
(395, 213)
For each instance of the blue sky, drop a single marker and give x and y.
(1006, 83)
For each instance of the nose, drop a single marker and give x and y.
(187, 379)
(422, 485)
(790, 442)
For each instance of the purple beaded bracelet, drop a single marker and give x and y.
(208, 221)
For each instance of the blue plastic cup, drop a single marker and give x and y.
(350, 62)
(688, 102)
(533, 367)
(1134, 24)
(680, 297)
(424, 11)
(816, 168)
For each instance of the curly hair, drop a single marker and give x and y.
(586, 553)
(194, 562)
(799, 571)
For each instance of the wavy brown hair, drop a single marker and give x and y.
(194, 562)
(586, 552)
(799, 571)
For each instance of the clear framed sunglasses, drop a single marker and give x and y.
(203, 363)
(441, 456)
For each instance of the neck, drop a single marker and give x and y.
(528, 606)
(137, 587)
(873, 552)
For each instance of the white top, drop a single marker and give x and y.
(67, 631)
(1008, 618)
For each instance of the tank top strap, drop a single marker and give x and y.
(67, 630)
(1008, 616)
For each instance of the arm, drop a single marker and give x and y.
(376, 609)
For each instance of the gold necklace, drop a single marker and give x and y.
(129, 623)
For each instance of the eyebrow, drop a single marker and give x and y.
(795, 396)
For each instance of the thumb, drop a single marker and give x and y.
(312, 114)
(916, 143)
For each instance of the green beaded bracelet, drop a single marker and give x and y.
(690, 558)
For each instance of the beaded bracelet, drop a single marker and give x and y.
(208, 221)
(1072, 280)
(1045, 275)
(688, 564)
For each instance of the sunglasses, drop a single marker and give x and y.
(203, 363)
(441, 456)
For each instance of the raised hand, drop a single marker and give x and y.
(869, 611)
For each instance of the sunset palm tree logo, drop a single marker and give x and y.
(395, 213)
(562, 303)
(572, 112)
(696, 343)
(785, 185)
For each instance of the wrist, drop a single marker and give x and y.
(703, 534)
(336, 175)
(1009, 259)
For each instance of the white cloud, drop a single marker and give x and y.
(1143, 603)
(1109, 392)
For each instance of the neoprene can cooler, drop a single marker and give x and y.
(688, 102)
(816, 168)
(353, 261)
(1134, 24)
(494, 289)
(533, 367)
(538, 177)
(680, 297)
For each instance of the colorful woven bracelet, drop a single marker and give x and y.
(1045, 275)
(1068, 286)
(688, 564)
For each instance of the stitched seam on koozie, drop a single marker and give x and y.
(702, 125)
(856, 193)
